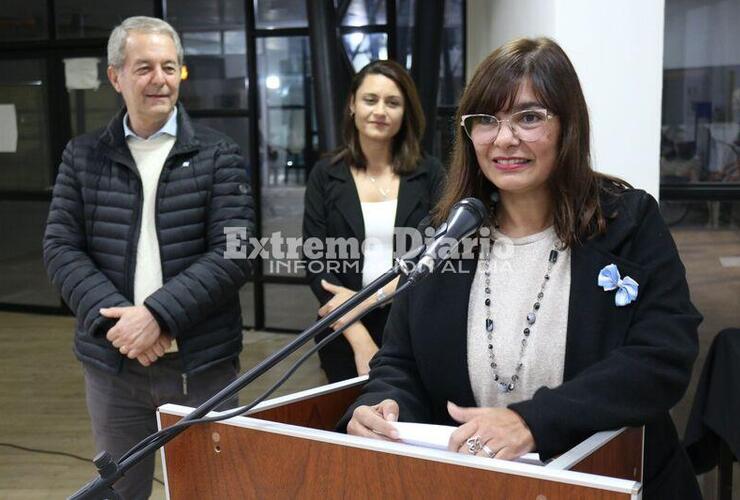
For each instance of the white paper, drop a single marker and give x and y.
(437, 437)
(8, 129)
(81, 73)
(729, 261)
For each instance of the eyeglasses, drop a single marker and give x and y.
(528, 126)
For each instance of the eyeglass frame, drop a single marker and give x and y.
(548, 116)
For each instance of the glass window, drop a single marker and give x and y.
(92, 100)
(405, 23)
(700, 134)
(365, 12)
(214, 42)
(92, 19)
(270, 14)
(21, 264)
(216, 70)
(202, 43)
(237, 128)
(24, 140)
(186, 14)
(362, 48)
(451, 64)
(283, 66)
(24, 21)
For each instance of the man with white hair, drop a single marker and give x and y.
(135, 243)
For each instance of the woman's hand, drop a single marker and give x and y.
(503, 432)
(363, 346)
(373, 421)
(341, 295)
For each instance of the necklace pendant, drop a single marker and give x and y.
(504, 388)
(489, 325)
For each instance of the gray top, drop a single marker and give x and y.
(518, 268)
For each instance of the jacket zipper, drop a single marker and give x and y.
(134, 238)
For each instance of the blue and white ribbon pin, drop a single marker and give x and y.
(609, 279)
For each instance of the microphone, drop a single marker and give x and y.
(465, 218)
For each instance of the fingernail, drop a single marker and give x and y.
(394, 434)
(391, 417)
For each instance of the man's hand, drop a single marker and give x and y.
(156, 351)
(135, 332)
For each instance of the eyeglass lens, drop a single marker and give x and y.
(528, 126)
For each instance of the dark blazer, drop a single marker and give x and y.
(93, 229)
(332, 209)
(624, 366)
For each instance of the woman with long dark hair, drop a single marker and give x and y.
(379, 180)
(574, 317)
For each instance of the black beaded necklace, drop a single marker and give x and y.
(503, 385)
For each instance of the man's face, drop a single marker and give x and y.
(149, 80)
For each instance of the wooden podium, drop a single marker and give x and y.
(286, 448)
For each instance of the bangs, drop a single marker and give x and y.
(496, 94)
(499, 92)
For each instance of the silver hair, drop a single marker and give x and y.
(139, 24)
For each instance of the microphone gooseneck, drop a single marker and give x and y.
(465, 218)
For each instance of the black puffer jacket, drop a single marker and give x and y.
(93, 229)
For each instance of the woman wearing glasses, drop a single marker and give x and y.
(574, 315)
(377, 181)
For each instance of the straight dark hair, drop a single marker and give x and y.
(406, 148)
(574, 186)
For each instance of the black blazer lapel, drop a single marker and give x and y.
(595, 323)
(410, 193)
(348, 201)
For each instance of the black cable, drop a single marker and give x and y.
(162, 436)
(54, 452)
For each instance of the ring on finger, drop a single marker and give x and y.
(474, 444)
(488, 451)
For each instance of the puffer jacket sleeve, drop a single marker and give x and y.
(82, 285)
(214, 279)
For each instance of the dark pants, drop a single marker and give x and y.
(337, 357)
(122, 408)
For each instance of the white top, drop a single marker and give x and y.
(517, 270)
(380, 220)
(149, 156)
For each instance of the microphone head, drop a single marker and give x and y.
(474, 205)
(466, 217)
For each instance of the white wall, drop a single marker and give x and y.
(617, 50)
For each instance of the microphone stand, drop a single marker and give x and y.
(109, 471)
